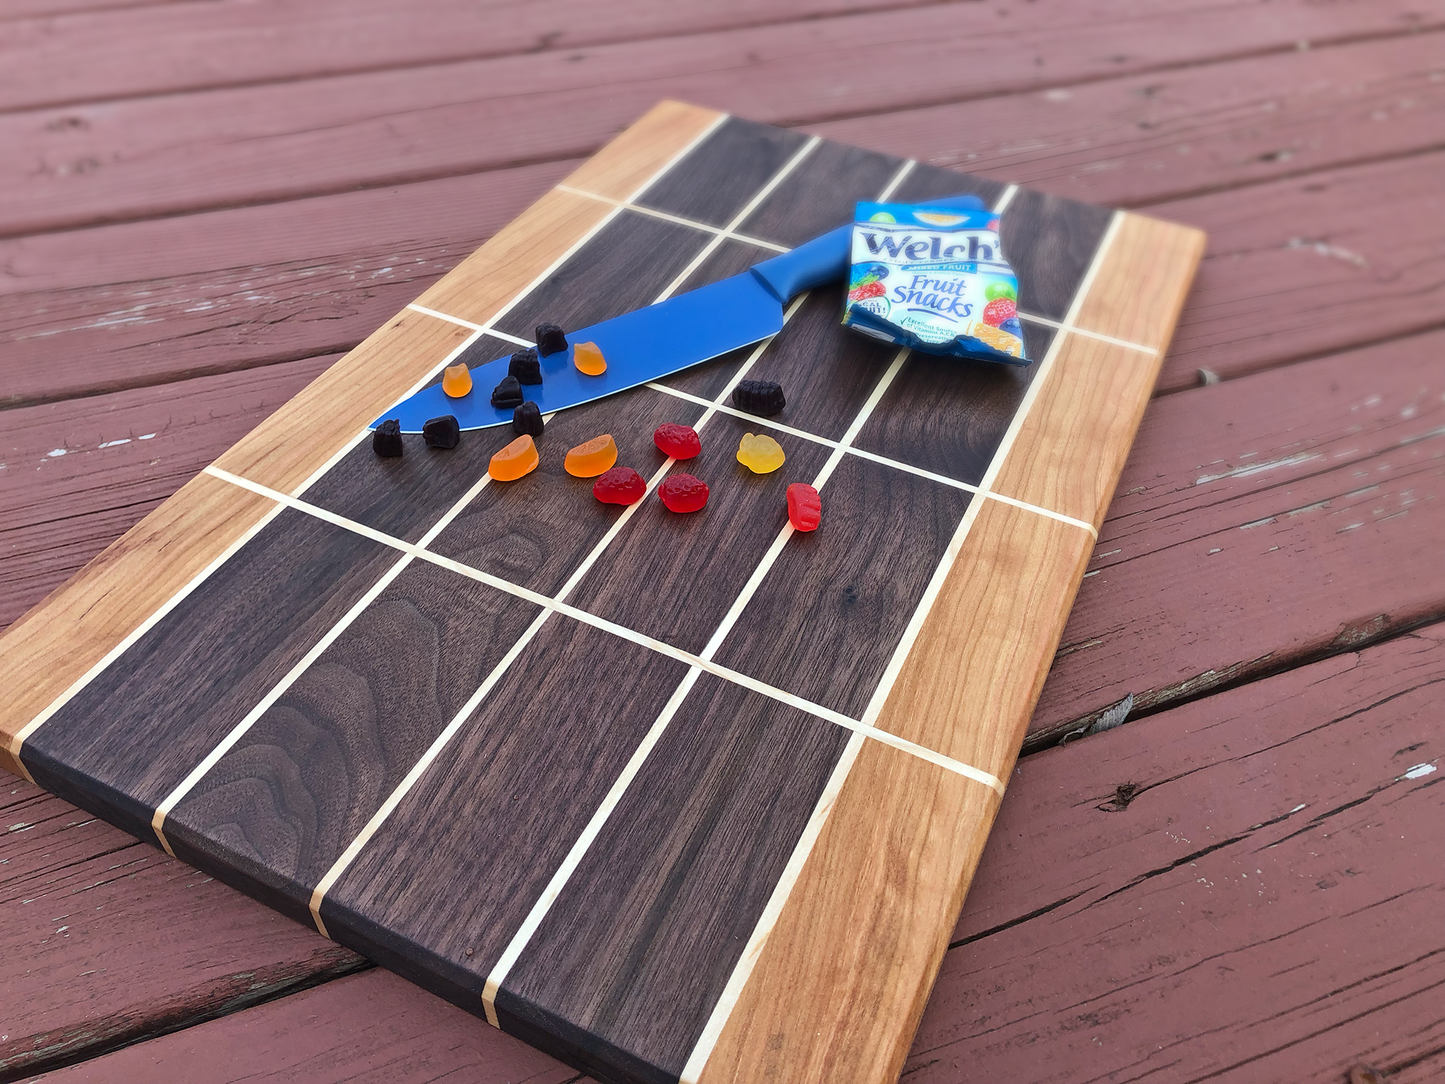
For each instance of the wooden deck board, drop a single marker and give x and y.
(1238, 115)
(169, 154)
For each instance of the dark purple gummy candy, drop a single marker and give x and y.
(443, 432)
(550, 339)
(386, 441)
(759, 397)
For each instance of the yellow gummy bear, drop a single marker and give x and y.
(588, 359)
(760, 454)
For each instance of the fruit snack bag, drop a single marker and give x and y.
(935, 280)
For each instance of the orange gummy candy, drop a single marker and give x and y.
(515, 460)
(588, 359)
(592, 458)
(456, 380)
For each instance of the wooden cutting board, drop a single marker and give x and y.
(668, 796)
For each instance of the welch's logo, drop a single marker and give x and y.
(953, 246)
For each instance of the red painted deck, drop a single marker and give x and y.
(203, 204)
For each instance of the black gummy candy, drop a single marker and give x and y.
(386, 441)
(759, 397)
(525, 367)
(443, 432)
(527, 418)
(508, 393)
(550, 339)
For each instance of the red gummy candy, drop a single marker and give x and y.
(805, 507)
(677, 441)
(683, 493)
(620, 485)
(998, 310)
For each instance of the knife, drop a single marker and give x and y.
(652, 342)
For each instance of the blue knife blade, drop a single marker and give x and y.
(653, 342)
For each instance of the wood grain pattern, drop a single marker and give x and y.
(643, 148)
(863, 930)
(95, 984)
(1071, 447)
(828, 616)
(54, 645)
(681, 871)
(138, 728)
(536, 531)
(513, 787)
(161, 155)
(1241, 888)
(970, 681)
(301, 437)
(1289, 478)
(695, 565)
(280, 807)
(499, 809)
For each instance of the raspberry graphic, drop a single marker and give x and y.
(865, 290)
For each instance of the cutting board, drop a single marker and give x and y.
(671, 797)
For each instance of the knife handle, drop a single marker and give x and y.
(825, 259)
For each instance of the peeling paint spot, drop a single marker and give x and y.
(1419, 771)
(55, 453)
(114, 443)
(1259, 468)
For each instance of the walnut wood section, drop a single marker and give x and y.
(1073, 443)
(296, 441)
(486, 280)
(841, 981)
(384, 367)
(971, 680)
(73, 629)
(625, 164)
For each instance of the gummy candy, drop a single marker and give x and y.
(550, 339)
(515, 460)
(456, 380)
(999, 288)
(805, 507)
(527, 418)
(677, 441)
(592, 457)
(442, 432)
(588, 359)
(386, 441)
(998, 310)
(525, 367)
(759, 397)
(760, 454)
(682, 493)
(620, 485)
(508, 393)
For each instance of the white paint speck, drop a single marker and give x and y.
(1419, 771)
(145, 436)
(55, 453)
(1257, 468)
(114, 443)
(1296, 809)
(1214, 550)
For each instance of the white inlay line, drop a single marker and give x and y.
(550, 605)
(748, 208)
(341, 453)
(727, 234)
(881, 460)
(737, 981)
(704, 661)
(1073, 330)
(135, 634)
